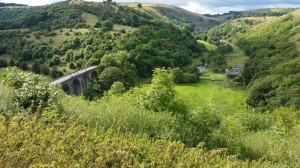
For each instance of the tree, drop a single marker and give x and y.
(116, 88)
(55, 60)
(55, 73)
(72, 65)
(109, 76)
(139, 5)
(24, 66)
(161, 93)
(35, 67)
(107, 25)
(260, 92)
(11, 62)
(44, 69)
(3, 63)
(178, 74)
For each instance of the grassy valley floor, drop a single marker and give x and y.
(213, 90)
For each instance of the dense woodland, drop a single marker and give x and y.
(134, 115)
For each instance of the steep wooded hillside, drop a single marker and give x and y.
(272, 70)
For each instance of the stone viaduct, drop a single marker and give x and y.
(77, 82)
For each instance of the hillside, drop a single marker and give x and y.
(272, 71)
(147, 105)
(253, 13)
(189, 20)
(57, 39)
(10, 5)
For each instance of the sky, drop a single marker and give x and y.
(197, 6)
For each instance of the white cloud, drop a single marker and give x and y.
(204, 8)
(196, 7)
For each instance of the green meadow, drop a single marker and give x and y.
(236, 57)
(209, 46)
(213, 90)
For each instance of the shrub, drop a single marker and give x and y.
(159, 95)
(31, 92)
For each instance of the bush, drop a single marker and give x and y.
(72, 65)
(55, 73)
(159, 95)
(109, 76)
(44, 69)
(31, 92)
(3, 63)
(116, 88)
(55, 60)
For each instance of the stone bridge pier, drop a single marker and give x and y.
(77, 82)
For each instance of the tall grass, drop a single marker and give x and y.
(27, 141)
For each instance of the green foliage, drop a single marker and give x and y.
(270, 72)
(109, 76)
(160, 94)
(154, 44)
(107, 25)
(162, 45)
(3, 63)
(46, 17)
(275, 61)
(190, 74)
(67, 127)
(6, 98)
(55, 73)
(139, 5)
(44, 69)
(35, 67)
(55, 60)
(31, 92)
(116, 88)
(72, 65)
(73, 144)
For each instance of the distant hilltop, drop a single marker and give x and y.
(10, 4)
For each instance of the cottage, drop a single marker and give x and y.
(234, 71)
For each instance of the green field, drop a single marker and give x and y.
(59, 38)
(90, 18)
(128, 29)
(209, 46)
(236, 57)
(216, 94)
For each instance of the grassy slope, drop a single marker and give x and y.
(236, 57)
(90, 18)
(296, 38)
(159, 11)
(59, 38)
(209, 46)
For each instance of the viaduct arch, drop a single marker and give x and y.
(77, 82)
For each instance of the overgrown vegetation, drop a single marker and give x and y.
(128, 129)
(120, 122)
